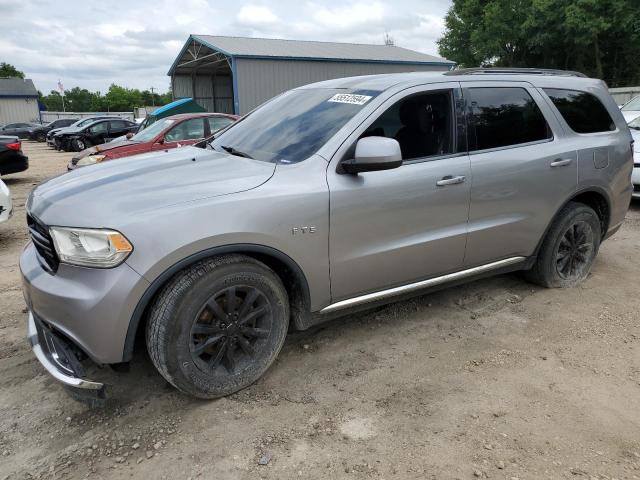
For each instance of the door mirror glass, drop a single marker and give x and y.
(373, 154)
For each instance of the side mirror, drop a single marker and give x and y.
(160, 141)
(129, 135)
(373, 154)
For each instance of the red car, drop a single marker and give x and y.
(170, 132)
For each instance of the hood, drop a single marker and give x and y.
(105, 147)
(635, 134)
(630, 115)
(112, 193)
(66, 130)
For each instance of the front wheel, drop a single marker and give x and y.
(78, 144)
(217, 326)
(569, 249)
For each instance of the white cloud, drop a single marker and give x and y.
(253, 15)
(93, 44)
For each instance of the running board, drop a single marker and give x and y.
(392, 292)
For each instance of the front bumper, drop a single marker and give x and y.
(635, 179)
(57, 357)
(91, 308)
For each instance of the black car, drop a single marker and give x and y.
(12, 160)
(20, 130)
(95, 133)
(83, 122)
(39, 133)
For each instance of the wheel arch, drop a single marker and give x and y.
(594, 197)
(289, 272)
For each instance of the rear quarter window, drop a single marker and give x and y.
(583, 111)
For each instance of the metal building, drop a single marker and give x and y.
(18, 101)
(236, 74)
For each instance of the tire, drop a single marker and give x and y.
(569, 248)
(78, 144)
(202, 350)
(41, 137)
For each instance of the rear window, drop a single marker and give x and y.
(582, 111)
(504, 116)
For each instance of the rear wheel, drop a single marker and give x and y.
(218, 325)
(569, 249)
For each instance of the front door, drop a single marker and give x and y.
(523, 169)
(394, 227)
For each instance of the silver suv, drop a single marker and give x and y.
(331, 197)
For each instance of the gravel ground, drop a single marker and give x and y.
(495, 379)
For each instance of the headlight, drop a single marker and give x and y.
(90, 160)
(90, 248)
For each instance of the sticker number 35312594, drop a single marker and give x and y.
(350, 98)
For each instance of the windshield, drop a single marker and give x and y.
(635, 123)
(294, 125)
(82, 123)
(152, 132)
(632, 105)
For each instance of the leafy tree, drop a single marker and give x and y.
(597, 37)
(7, 70)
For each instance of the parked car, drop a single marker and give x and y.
(634, 125)
(39, 133)
(167, 133)
(6, 205)
(329, 198)
(94, 133)
(12, 160)
(83, 122)
(631, 109)
(20, 130)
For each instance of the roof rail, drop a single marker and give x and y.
(514, 71)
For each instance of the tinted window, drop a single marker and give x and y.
(294, 125)
(99, 128)
(504, 116)
(581, 110)
(188, 130)
(422, 125)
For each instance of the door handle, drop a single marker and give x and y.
(561, 163)
(450, 180)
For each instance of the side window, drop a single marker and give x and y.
(422, 124)
(192, 129)
(99, 128)
(582, 111)
(217, 123)
(504, 116)
(118, 125)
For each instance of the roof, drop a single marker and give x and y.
(174, 104)
(304, 49)
(384, 81)
(17, 87)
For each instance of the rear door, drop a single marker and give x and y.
(117, 128)
(523, 169)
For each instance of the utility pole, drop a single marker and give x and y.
(153, 100)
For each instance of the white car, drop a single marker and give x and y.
(631, 109)
(6, 206)
(634, 125)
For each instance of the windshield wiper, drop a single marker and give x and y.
(235, 152)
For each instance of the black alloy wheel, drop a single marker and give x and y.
(575, 251)
(228, 329)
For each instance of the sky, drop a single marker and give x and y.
(92, 44)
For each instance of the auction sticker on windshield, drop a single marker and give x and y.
(350, 98)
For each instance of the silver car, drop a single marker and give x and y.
(329, 198)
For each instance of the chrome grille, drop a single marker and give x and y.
(44, 244)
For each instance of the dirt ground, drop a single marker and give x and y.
(495, 379)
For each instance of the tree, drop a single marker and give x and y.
(597, 37)
(7, 70)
